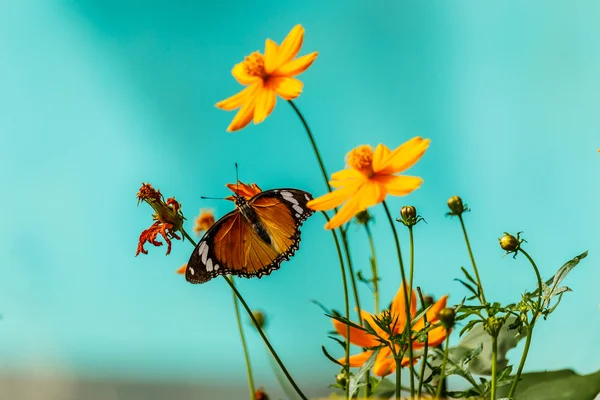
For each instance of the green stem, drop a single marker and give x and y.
(398, 377)
(347, 306)
(425, 348)
(407, 302)
(373, 269)
(351, 273)
(441, 382)
(258, 328)
(244, 345)
(494, 372)
(538, 307)
(462, 224)
(285, 386)
(412, 258)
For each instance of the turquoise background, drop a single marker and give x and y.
(97, 97)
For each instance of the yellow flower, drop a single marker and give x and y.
(265, 77)
(385, 363)
(204, 221)
(370, 178)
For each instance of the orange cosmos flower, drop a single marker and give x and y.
(370, 178)
(266, 76)
(181, 270)
(168, 218)
(385, 363)
(204, 221)
(241, 189)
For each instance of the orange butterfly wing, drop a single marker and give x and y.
(233, 246)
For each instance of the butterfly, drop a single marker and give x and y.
(254, 239)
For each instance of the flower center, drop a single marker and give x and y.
(361, 159)
(255, 65)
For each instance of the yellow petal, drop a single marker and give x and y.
(291, 45)
(235, 101)
(346, 177)
(265, 102)
(297, 66)
(370, 193)
(331, 200)
(243, 116)
(382, 152)
(431, 314)
(357, 360)
(357, 337)
(398, 309)
(346, 213)
(384, 364)
(287, 88)
(405, 156)
(436, 337)
(239, 72)
(271, 51)
(399, 185)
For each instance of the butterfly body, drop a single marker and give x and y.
(254, 239)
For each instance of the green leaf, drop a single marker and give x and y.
(384, 390)
(331, 358)
(482, 363)
(355, 380)
(555, 385)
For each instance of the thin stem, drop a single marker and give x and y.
(462, 224)
(313, 143)
(258, 328)
(285, 386)
(425, 348)
(494, 372)
(373, 269)
(412, 258)
(407, 302)
(441, 382)
(398, 377)
(343, 234)
(244, 345)
(347, 306)
(538, 307)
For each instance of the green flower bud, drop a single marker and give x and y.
(409, 216)
(456, 206)
(509, 243)
(260, 317)
(446, 317)
(341, 380)
(363, 217)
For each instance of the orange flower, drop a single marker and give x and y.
(241, 189)
(385, 363)
(204, 221)
(181, 270)
(265, 77)
(370, 178)
(168, 218)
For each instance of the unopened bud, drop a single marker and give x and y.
(456, 206)
(409, 216)
(509, 243)
(363, 217)
(341, 380)
(446, 317)
(261, 319)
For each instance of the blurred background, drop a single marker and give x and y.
(98, 97)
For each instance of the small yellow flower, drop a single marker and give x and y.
(168, 218)
(266, 77)
(204, 221)
(371, 176)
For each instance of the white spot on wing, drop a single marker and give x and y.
(203, 251)
(297, 215)
(306, 197)
(298, 209)
(209, 265)
(191, 270)
(289, 197)
(216, 266)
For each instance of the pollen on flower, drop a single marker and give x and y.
(255, 65)
(361, 159)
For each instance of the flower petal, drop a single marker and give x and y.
(237, 100)
(436, 337)
(332, 200)
(404, 157)
(399, 185)
(271, 51)
(240, 73)
(346, 177)
(287, 88)
(243, 116)
(432, 313)
(370, 193)
(345, 213)
(297, 66)
(291, 45)
(384, 364)
(381, 153)
(357, 337)
(265, 102)
(357, 360)
(370, 319)
(398, 309)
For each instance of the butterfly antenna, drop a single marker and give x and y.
(212, 198)
(237, 177)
